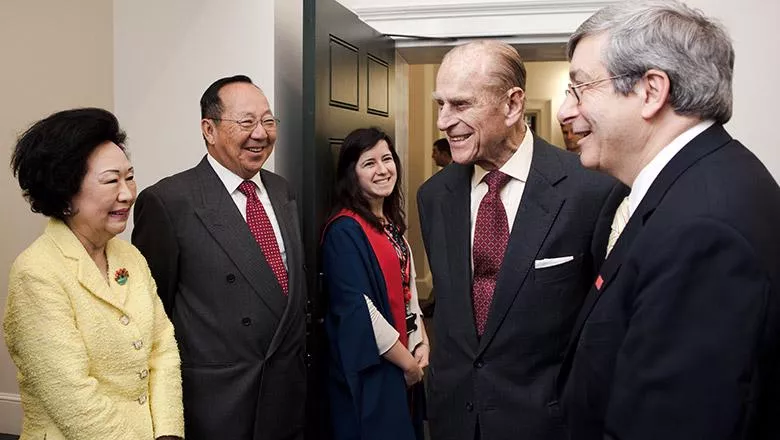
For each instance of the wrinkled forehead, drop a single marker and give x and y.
(467, 61)
(462, 74)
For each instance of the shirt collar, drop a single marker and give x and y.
(517, 167)
(230, 179)
(650, 172)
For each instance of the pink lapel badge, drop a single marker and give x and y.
(599, 282)
(121, 275)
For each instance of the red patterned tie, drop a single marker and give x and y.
(261, 228)
(491, 234)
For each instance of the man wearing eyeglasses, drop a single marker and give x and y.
(679, 337)
(222, 240)
(515, 230)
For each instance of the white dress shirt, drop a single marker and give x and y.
(232, 181)
(650, 172)
(517, 167)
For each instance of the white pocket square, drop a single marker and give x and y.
(550, 262)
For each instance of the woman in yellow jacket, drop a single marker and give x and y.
(95, 352)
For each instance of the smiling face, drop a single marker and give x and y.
(376, 172)
(242, 151)
(609, 122)
(470, 112)
(102, 205)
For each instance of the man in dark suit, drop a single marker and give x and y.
(223, 242)
(679, 337)
(440, 153)
(515, 231)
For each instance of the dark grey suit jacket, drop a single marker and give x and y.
(505, 379)
(241, 340)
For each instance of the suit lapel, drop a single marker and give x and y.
(90, 278)
(286, 213)
(456, 219)
(710, 140)
(223, 220)
(702, 145)
(608, 271)
(87, 271)
(538, 209)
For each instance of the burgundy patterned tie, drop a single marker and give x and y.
(263, 232)
(491, 234)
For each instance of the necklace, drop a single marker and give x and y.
(402, 250)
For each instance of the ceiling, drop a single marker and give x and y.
(433, 52)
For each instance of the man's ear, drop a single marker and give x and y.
(208, 129)
(515, 106)
(655, 92)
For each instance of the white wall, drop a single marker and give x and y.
(166, 53)
(753, 28)
(546, 81)
(288, 88)
(56, 55)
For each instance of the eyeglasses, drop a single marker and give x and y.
(572, 90)
(269, 124)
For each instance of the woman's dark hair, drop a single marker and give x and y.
(50, 158)
(348, 195)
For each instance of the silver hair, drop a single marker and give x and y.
(694, 51)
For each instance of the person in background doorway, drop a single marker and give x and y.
(570, 138)
(442, 157)
(441, 153)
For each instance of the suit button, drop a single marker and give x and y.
(143, 374)
(469, 406)
(142, 399)
(124, 320)
(230, 278)
(246, 321)
(479, 363)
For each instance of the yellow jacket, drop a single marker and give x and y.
(95, 360)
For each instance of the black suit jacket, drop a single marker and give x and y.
(505, 378)
(681, 339)
(241, 340)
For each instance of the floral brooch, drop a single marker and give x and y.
(121, 275)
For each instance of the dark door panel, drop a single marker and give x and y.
(348, 81)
